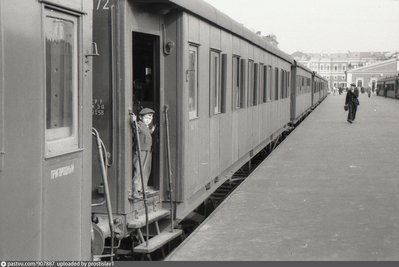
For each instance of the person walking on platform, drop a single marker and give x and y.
(351, 102)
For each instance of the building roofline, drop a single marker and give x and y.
(374, 65)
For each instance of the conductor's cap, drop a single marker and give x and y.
(352, 84)
(145, 111)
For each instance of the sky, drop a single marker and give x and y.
(320, 25)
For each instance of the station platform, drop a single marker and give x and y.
(329, 192)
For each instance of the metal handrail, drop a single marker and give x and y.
(169, 168)
(104, 163)
(136, 130)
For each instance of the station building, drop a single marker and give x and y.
(335, 67)
(368, 76)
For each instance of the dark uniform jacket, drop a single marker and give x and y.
(145, 136)
(351, 97)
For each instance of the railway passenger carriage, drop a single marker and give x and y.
(236, 82)
(220, 94)
(301, 92)
(226, 90)
(319, 91)
(388, 87)
(308, 90)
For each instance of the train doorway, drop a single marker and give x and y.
(146, 91)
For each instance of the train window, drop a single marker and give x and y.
(276, 84)
(301, 84)
(288, 83)
(261, 83)
(215, 83)
(269, 83)
(224, 83)
(264, 85)
(297, 85)
(272, 78)
(243, 82)
(282, 83)
(192, 77)
(236, 82)
(250, 82)
(61, 49)
(255, 94)
(343, 67)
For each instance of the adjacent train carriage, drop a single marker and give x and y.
(234, 99)
(45, 129)
(301, 92)
(224, 92)
(319, 90)
(388, 87)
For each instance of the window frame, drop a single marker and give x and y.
(250, 82)
(56, 143)
(243, 68)
(255, 89)
(283, 83)
(265, 84)
(276, 83)
(269, 83)
(215, 82)
(193, 114)
(336, 68)
(236, 82)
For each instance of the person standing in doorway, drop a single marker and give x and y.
(145, 131)
(352, 101)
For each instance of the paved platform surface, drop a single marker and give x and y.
(330, 191)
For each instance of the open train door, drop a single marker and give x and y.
(146, 91)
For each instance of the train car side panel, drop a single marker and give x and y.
(21, 127)
(47, 128)
(22, 88)
(390, 89)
